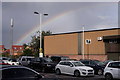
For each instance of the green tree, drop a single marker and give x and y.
(35, 42)
(25, 46)
(27, 52)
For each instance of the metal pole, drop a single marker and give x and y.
(83, 45)
(11, 50)
(40, 16)
(40, 54)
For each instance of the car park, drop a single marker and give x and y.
(57, 59)
(13, 62)
(75, 68)
(25, 60)
(112, 70)
(96, 65)
(12, 72)
(42, 64)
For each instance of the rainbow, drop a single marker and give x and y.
(34, 29)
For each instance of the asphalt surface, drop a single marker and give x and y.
(53, 76)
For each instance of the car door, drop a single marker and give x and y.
(38, 63)
(69, 68)
(93, 65)
(114, 68)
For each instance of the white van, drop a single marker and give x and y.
(25, 60)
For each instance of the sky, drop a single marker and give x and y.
(63, 17)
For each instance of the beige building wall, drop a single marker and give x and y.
(71, 44)
(64, 44)
(97, 47)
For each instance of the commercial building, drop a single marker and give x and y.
(1, 49)
(17, 49)
(95, 44)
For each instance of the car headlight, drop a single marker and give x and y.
(48, 65)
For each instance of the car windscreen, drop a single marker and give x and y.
(47, 60)
(30, 59)
(4, 59)
(64, 58)
(106, 62)
(99, 63)
(14, 60)
(77, 63)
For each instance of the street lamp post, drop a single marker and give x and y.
(11, 50)
(40, 17)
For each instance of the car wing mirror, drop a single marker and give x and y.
(71, 65)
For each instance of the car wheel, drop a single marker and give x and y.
(58, 72)
(76, 73)
(108, 77)
(100, 72)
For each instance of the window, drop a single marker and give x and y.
(18, 73)
(15, 48)
(85, 62)
(23, 59)
(78, 63)
(92, 63)
(68, 63)
(62, 63)
(24, 72)
(8, 73)
(20, 47)
(114, 65)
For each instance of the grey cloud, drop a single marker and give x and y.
(91, 14)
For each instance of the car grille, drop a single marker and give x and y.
(90, 70)
(90, 73)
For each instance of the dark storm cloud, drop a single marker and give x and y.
(94, 15)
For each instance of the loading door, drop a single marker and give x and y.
(112, 47)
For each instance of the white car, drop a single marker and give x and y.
(4, 59)
(13, 62)
(75, 68)
(112, 70)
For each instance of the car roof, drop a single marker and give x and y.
(88, 60)
(113, 61)
(27, 56)
(10, 66)
(69, 61)
(2, 67)
(61, 56)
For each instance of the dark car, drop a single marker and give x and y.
(96, 65)
(57, 59)
(42, 64)
(12, 72)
